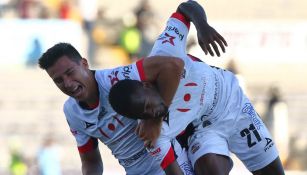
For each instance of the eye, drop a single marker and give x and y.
(70, 72)
(58, 80)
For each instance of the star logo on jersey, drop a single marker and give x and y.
(87, 124)
(113, 77)
(167, 39)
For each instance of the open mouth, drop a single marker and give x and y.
(77, 91)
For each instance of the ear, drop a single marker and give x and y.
(147, 84)
(84, 62)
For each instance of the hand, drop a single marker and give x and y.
(208, 37)
(149, 131)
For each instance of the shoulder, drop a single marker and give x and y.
(106, 78)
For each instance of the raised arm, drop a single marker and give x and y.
(207, 36)
(91, 162)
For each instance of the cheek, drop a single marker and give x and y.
(83, 76)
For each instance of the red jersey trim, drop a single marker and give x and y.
(94, 105)
(139, 65)
(181, 18)
(168, 159)
(90, 145)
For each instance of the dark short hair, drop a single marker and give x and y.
(57, 51)
(121, 97)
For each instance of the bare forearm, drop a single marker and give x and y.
(92, 169)
(173, 169)
(165, 72)
(170, 74)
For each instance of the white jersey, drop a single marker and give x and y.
(211, 98)
(201, 92)
(115, 131)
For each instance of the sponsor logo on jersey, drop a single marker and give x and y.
(126, 71)
(215, 96)
(187, 96)
(175, 29)
(154, 152)
(249, 110)
(203, 91)
(113, 77)
(130, 160)
(187, 168)
(269, 144)
(88, 125)
(166, 38)
(195, 147)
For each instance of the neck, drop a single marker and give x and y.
(93, 100)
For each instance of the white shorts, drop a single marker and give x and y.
(182, 158)
(241, 132)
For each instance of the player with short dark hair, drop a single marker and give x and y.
(209, 97)
(91, 118)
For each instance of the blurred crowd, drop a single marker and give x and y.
(130, 38)
(98, 29)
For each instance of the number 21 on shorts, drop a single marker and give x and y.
(247, 132)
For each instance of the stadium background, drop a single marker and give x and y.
(267, 49)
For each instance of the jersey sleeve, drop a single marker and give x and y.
(172, 41)
(85, 143)
(108, 77)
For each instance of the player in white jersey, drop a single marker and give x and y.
(89, 114)
(223, 117)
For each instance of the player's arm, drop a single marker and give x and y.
(91, 162)
(207, 36)
(165, 72)
(173, 168)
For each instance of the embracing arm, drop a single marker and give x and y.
(91, 162)
(173, 169)
(165, 72)
(205, 33)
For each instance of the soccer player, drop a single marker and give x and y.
(90, 116)
(224, 118)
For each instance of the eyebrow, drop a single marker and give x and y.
(69, 69)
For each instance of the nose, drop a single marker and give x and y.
(67, 83)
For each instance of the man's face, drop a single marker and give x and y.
(71, 78)
(148, 104)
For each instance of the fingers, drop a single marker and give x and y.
(204, 48)
(220, 38)
(216, 49)
(210, 50)
(148, 144)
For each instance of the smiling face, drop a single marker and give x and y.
(72, 77)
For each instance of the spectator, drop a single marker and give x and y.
(48, 158)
